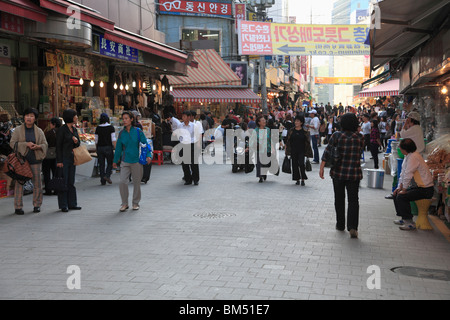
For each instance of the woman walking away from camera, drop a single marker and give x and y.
(347, 173)
(127, 151)
(261, 143)
(298, 147)
(31, 144)
(49, 163)
(105, 138)
(67, 139)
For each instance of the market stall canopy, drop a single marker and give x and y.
(220, 95)
(25, 9)
(405, 25)
(390, 88)
(87, 15)
(212, 71)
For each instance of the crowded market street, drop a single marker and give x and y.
(227, 238)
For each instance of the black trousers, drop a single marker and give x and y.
(191, 170)
(49, 171)
(352, 188)
(402, 201)
(374, 152)
(298, 167)
(105, 154)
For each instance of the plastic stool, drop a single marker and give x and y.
(422, 222)
(158, 158)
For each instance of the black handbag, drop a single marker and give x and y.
(287, 165)
(308, 166)
(57, 183)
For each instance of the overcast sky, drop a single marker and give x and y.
(319, 9)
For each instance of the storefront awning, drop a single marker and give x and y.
(147, 45)
(390, 88)
(212, 71)
(25, 9)
(87, 15)
(405, 25)
(219, 95)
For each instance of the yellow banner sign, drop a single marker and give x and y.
(337, 80)
(262, 38)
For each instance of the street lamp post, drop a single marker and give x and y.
(262, 6)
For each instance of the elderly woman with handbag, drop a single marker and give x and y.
(67, 139)
(30, 142)
(298, 147)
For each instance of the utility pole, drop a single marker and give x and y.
(262, 6)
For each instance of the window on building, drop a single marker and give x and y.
(194, 35)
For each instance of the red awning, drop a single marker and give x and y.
(212, 71)
(390, 88)
(25, 9)
(147, 45)
(220, 95)
(89, 16)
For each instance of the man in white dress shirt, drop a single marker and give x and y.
(413, 131)
(314, 132)
(189, 139)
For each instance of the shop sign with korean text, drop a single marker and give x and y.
(196, 8)
(115, 50)
(12, 23)
(260, 38)
(81, 67)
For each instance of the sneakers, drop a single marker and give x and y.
(409, 226)
(405, 225)
(124, 208)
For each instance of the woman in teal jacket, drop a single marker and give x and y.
(127, 151)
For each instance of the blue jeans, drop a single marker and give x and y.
(68, 199)
(315, 141)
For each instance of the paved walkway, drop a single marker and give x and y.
(229, 238)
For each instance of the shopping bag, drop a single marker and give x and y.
(308, 166)
(81, 155)
(287, 166)
(17, 167)
(57, 183)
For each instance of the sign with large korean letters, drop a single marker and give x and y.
(196, 8)
(259, 38)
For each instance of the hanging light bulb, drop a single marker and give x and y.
(171, 88)
(92, 83)
(154, 87)
(127, 87)
(81, 81)
(163, 88)
(121, 87)
(115, 86)
(144, 85)
(102, 84)
(134, 84)
(444, 90)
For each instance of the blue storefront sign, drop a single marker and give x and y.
(115, 50)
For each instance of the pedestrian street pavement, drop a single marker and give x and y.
(230, 238)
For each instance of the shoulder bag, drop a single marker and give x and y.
(81, 155)
(17, 167)
(335, 156)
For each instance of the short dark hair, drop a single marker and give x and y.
(187, 113)
(408, 145)
(56, 122)
(68, 115)
(104, 118)
(31, 111)
(349, 122)
(300, 118)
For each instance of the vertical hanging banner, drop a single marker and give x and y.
(258, 38)
(241, 12)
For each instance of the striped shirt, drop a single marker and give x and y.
(351, 146)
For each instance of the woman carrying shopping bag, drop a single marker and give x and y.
(298, 147)
(30, 142)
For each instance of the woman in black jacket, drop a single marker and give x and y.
(49, 163)
(66, 140)
(298, 147)
(105, 139)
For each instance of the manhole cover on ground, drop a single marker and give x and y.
(214, 215)
(442, 275)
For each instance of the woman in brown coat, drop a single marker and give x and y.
(298, 147)
(32, 144)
